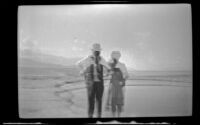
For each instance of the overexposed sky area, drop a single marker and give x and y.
(149, 36)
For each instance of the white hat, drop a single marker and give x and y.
(96, 47)
(115, 55)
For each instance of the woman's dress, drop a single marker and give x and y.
(116, 91)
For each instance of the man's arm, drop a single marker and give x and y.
(82, 65)
(106, 66)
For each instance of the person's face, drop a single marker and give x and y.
(115, 57)
(96, 53)
(115, 60)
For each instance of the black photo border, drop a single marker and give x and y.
(10, 93)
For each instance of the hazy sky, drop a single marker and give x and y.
(150, 37)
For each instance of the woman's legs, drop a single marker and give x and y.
(119, 110)
(114, 108)
(113, 114)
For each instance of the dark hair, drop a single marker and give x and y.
(114, 63)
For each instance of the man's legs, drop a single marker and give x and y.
(99, 93)
(91, 100)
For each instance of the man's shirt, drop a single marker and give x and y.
(86, 62)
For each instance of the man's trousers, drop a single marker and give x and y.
(95, 93)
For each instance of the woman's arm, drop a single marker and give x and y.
(124, 71)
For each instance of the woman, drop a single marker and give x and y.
(119, 74)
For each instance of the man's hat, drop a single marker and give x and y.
(96, 47)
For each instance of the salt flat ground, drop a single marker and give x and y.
(51, 98)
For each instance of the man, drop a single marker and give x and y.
(93, 67)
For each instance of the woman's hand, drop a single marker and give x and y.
(121, 83)
(111, 72)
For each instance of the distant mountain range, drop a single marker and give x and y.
(28, 58)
